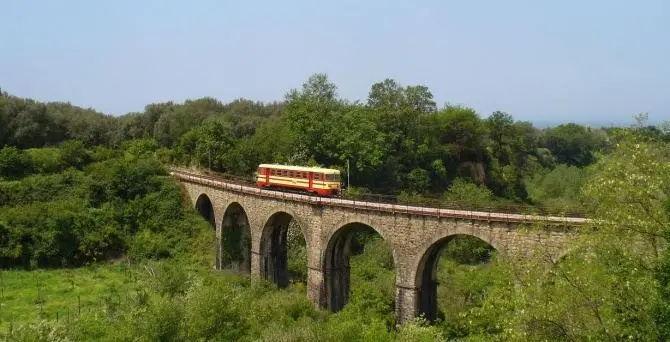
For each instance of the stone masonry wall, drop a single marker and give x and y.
(408, 236)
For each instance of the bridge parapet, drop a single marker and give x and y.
(376, 206)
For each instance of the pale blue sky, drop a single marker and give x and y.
(588, 61)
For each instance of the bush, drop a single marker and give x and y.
(43, 188)
(162, 322)
(468, 193)
(354, 192)
(212, 313)
(559, 187)
(40, 331)
(46, 160)
(111, 207)
(14, 163)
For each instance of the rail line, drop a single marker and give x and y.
(243, 186)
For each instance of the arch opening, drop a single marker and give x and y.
(236, 239)
(358, 247)
(283, 251)
(204, 206)
(449, 276)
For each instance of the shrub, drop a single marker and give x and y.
(468, 193)
(14, 163)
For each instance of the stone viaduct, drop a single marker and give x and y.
(415, 235)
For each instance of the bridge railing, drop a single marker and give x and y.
(466, 205)
(422, 204)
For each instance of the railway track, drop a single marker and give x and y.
(247, 186)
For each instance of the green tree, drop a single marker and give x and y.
(501, 130)
(607, 288)
(311, 114)
(458, 138)
(209, 146)
(573, 144)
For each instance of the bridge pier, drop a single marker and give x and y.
(255, 265)
(217, 249)
(406, 303)
(316, 286)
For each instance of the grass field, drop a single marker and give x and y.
(62, 294)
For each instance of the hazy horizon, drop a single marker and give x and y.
(596, 63)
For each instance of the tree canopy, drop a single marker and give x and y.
(398, 141)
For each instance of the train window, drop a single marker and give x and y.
(317, 176)
(334, 177)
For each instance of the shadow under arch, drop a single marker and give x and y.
(337, 270)
(204, 206)
(426, 275)
(236, 239)
(274, 247)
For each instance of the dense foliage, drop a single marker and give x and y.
(88, 205)
(399, 141)
(78, 187)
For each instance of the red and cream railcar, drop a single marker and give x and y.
(321, 181)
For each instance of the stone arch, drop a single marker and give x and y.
(272, 212)
(205, 207)
(236, 238)
(273, 245)
(426, 271)
(479, 233)
(335, 261)
(362, 219)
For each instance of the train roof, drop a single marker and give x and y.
(299, 168)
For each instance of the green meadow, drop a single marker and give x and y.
(61, 294)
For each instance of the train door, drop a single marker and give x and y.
(310, 181)
(267, 175)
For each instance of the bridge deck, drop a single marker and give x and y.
(219, 183)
